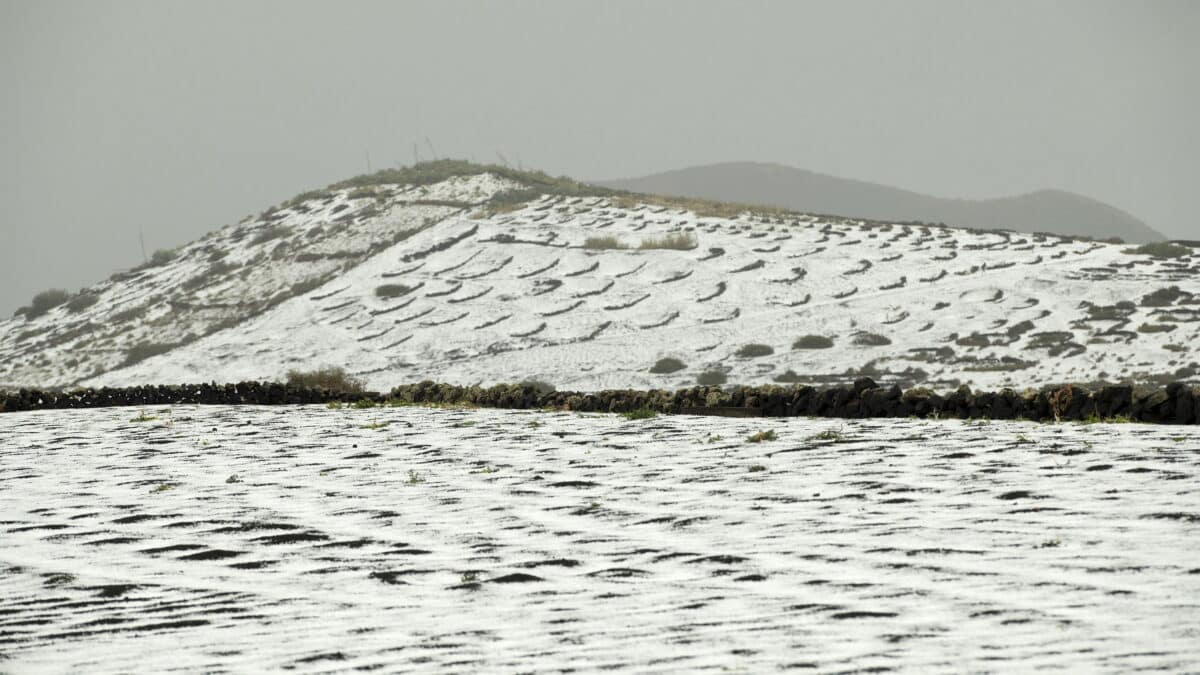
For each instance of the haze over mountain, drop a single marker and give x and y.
(1052, 211)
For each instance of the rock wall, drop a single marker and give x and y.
(1175, 404)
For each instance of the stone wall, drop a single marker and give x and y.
(1175, 404)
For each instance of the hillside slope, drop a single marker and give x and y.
(485, 276)
(1051, 211)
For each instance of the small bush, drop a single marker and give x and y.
(129, 314)
(1156, 328)
(640, 414)
(331, 379)
(607, 242)
(45, 301)
(828, 435)
(1161, 249)
(307, 196)
(81, 302)
(973, 340)
(144, 350)
(768, 435)
(788, 376)
(682, 241)
(871, 340)
(813, 342)
(208, 276)
(754, 350)
(542, 388)
(161, 257)
(667, 365)
(1164, 297)
(388, 291)
(712, 377)
(269, 233)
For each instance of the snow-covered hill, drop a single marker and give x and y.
(443, 281)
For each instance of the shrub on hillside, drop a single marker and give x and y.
(1164, 297)
(331, 379)
(871, 340)
(973, 340)
(1161, 249)
(712, 377)
(144, 350)
(682, 241)
(1156, 328)
(269, 233)
(541, 387)
(362, 193)
(388, 291)
(129, 314)
(44, 302)
(606, 242)
(213, 273)
(813, 342)
(667, 365)
(754, 350)
(81, 302)
(788, 376)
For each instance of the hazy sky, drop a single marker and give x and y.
(180, 117)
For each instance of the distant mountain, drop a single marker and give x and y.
(1052, 211)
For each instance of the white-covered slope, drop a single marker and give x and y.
(402, 283)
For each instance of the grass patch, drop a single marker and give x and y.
(1116, 419)
(640, 414)
(331, 379)
(768, 435)
(681, 241)
(828, 435)
(607, 242)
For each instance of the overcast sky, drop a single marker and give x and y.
(179, 117)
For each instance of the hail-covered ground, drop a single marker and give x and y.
(248, 539)
(401, 283)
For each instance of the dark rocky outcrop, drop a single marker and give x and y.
(1178, 403)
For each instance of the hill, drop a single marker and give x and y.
(1051, 211)
(479, 274)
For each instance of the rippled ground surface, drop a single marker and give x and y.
(477, 540)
